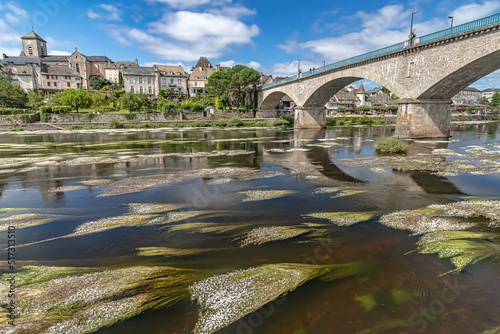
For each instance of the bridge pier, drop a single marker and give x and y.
(423, 118)
(310, 118)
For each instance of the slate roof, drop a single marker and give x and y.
(99, 58)
(495, 90)
(58, 70)
(200, 73)
(21, 60)
(120, 64)
(472, 89)
(204, 63)
(55, 58)
(381, 99)
(168, 69)
(33, 35)
(138, 71)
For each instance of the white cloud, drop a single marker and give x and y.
(17, 10)
(183, 4)
(186, 35)
(289, 69)
(59, 53)
(103, 11)
(489, 81)
(231, 63)
(474, 11)
(291, 46)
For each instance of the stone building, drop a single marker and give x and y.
(112, 70)
(469, 95)
(488, 93)
(34, 59)
(139, 80)
(55, 78)
(172, 80)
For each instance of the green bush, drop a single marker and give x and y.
(12, 111)
(130, 117)
(55, 109)
(114, 124)
(16, 128)
(391, 145)
(106, 109)
(234, 122)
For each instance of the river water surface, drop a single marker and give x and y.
(47, 173)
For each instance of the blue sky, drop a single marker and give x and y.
(268, 36)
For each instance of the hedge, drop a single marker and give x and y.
(55, 109)
(13, 111)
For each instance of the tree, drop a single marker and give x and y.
(242, 77)
(495, 100)
(484, 100)
(471, 107)
(35, 98)
(99, 99)
(341, 109)
(218, 83)
(75, 98)
(120, 79)
(131, 102)
(363, 108)
(11, 95)
(388, 92)
(96, 82)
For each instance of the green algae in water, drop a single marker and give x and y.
(224, 299)
(492, 331)
(170, 252)
(217, 228)
(140, 208)
(387, 326)
(83, 300)
(344, 218)
(387, 298)
(262, 235)
(23, 221)
(261, 195)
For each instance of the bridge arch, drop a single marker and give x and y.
(272, 100)
(461, 78)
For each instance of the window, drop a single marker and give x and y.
(78, 68)
(48, 76)
(55, 84)
(178, 73)
(164, 87)
(48, 84)
(172, 73)
(140, 80)
(141, 90)
(132, 89)
(150, 90)
(179, 82)
(30, 50)
(69, 85)
(172, 81)
(164, 81)
(116, 72)
(195, 84)
(205, 78)
(149, 80)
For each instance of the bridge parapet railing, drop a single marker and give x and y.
(459, 29)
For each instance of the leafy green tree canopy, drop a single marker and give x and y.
(11, 95)
(495, 100)
(131, 102)
(75, 98)
(35, 98)
(96, 82)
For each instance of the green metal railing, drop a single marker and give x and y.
(470, 26)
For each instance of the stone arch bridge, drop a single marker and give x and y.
(425, 73)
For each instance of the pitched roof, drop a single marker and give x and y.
(200, 73)
(374, 90)
(120, 64)
(279, 78)
(204, 63)
(168, 69)
(138, 71)
(32, 35)
(360, 90)
(381, 99)
(58, 70)
(22, 54)
(491, 90)
(21, 60)
(55, 58)
(99, 58)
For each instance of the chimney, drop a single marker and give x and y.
(137, 62)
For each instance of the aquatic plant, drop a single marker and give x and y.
(217, 228)
(83, 300)
(22, 221)
(260, 195)
(224, 299)
(262, 235)
(391, 145)
(340, 191)
(66, 189)
(97, 182)
(344, 218)
(170, 252)
(387, 298)
(446, 230)
(147, 208)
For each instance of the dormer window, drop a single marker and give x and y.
(178, 73)
(171, 73)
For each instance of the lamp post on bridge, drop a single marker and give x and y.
(324, 63)
(451, 17)
(412, 33)
(298, 71)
